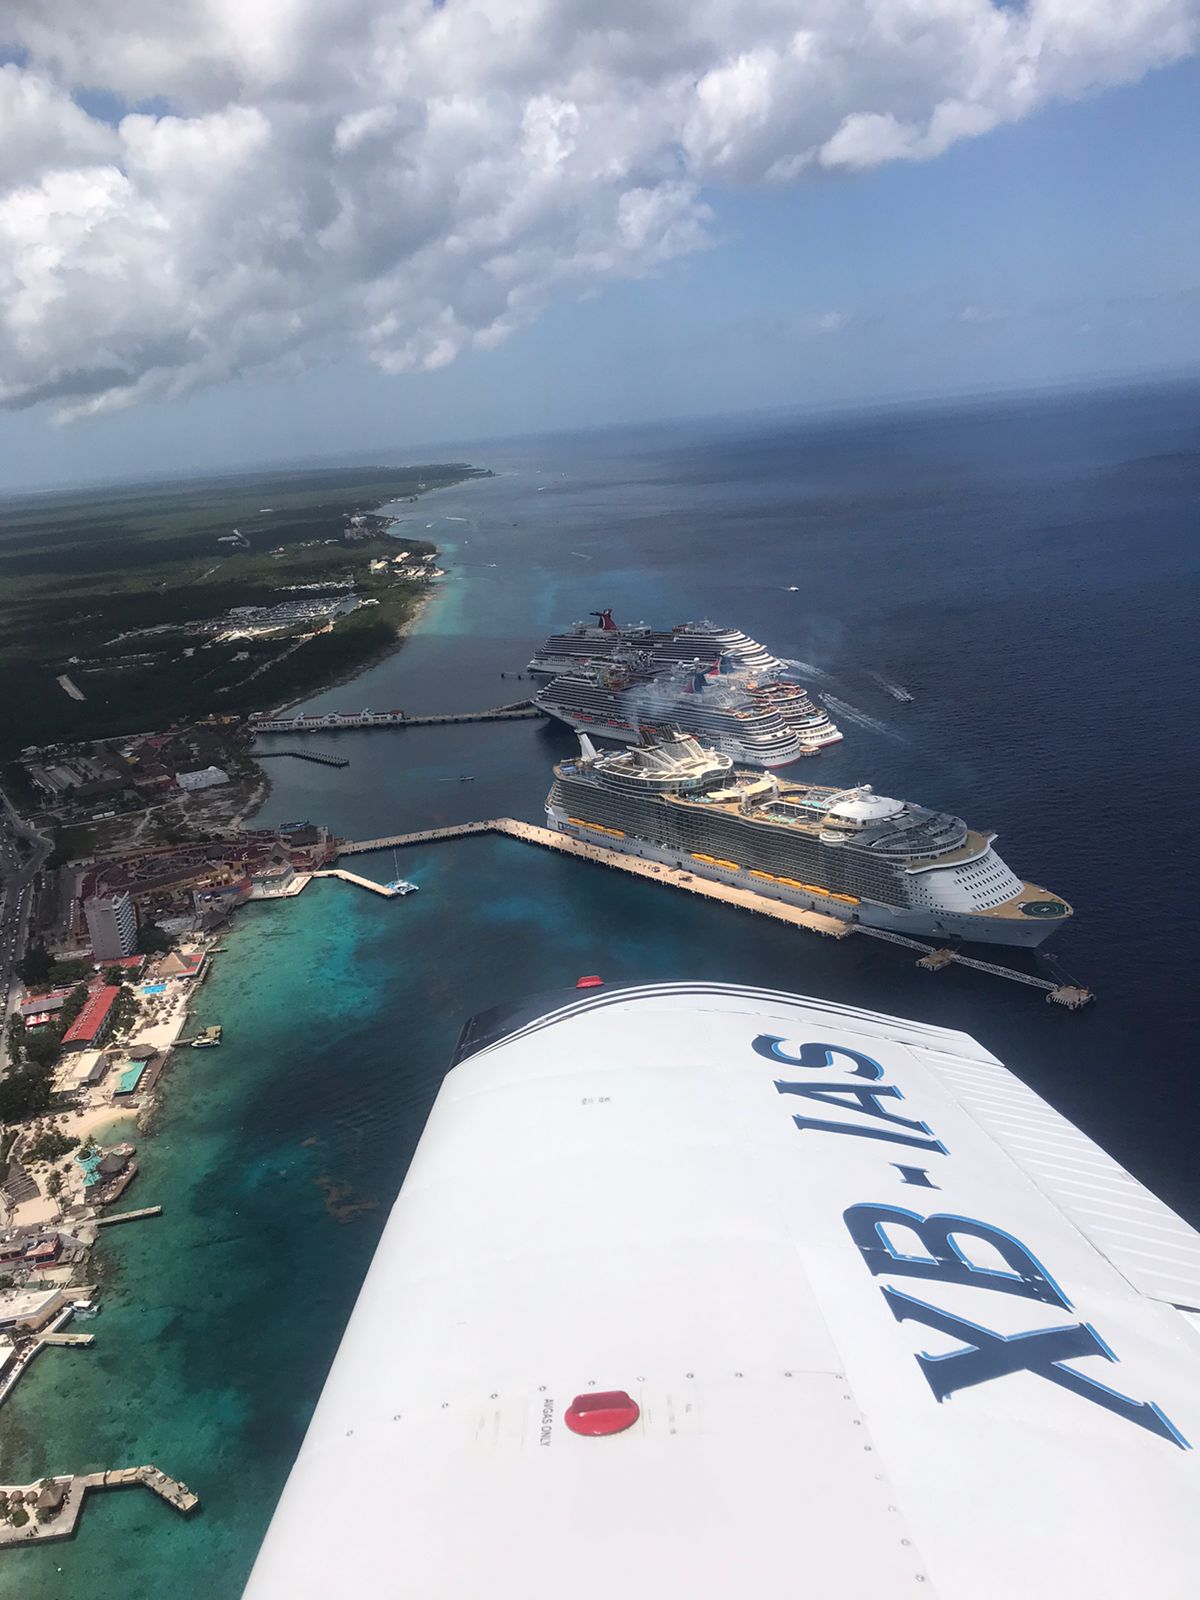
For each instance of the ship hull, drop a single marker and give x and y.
(1026, 934)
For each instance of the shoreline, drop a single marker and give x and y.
(384, 653)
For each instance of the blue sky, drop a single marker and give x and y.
(1061, 248)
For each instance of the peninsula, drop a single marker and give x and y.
(144, 606)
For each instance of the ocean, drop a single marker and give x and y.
(1027, 568)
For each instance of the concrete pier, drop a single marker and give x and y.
(351, 721)
(1072, 996)
(75, 1488)
(128, 1216)
(353, 877)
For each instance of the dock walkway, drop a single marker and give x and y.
(354, 877)
(77, 1486)
(1073, 996)
(356, 722)
(128, 1216)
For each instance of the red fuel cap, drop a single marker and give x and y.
(590, 982)
(609, 1411)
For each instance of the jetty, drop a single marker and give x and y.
(1072, 996)
(128, 1216)
(60, 1499)
(303, 755)
(343, 721)
(354, 877)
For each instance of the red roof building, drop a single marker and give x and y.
(88, 1028)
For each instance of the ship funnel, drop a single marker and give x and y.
(586, 748)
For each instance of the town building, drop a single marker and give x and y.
(92, 1023)
(29, 1309)
(206, 778)
(112, 926)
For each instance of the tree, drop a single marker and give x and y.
(72, 1006)
(25, 1094)
(35, 966)
(41, 1050)
(15, 1030)
(115, 976)
(19, 1517)
(152, 941)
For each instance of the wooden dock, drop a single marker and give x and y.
(71, 1491)
(70, 1341)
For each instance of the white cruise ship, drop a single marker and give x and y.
(703, 1290)
(753, 717)
(684, 644)
(850, 853)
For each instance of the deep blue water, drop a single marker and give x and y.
(1028, 569)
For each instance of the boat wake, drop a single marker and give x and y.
(845, 712)
(805, 667)
(896, 690)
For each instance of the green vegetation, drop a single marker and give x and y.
(79, 571)
(35, 966)
(64, 972)
(25, 1094)
(151, 940)
(48, 1146)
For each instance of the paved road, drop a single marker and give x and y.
(18, 869)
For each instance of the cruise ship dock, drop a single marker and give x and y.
(1072, 996)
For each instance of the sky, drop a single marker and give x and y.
(236, 231)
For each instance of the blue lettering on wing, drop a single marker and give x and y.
(817, 1055)
(985, 1355)
(855, 1097)
(945, 1260)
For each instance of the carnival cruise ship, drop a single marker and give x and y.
(749, 716)
(685, 643)
(701, 1289)
(851, 853)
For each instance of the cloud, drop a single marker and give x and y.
(822, 322)
(415, 180)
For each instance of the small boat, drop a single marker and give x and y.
(399, 885)
(208, 1038)
(467, 777)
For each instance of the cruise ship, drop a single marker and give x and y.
(705, 1289)
(750, 716)
(684, 644)
(851, 853)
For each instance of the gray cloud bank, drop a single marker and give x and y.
(414, 180)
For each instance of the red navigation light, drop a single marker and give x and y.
(594, 1415)
(592, 982)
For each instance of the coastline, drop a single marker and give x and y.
(384, 653)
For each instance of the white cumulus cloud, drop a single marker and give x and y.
(271, 180)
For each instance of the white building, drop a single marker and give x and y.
(206, 778)
(112, 926)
